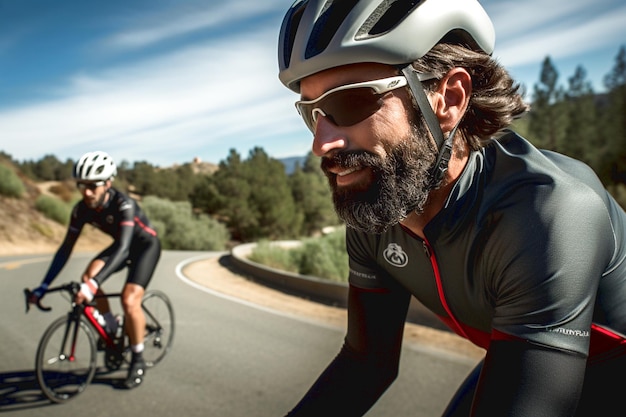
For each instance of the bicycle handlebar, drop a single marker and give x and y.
(73, 288)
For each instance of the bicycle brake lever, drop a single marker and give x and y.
(26, 297)
(40, 306)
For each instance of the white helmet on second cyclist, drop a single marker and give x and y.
(320, 34)
(95, 166)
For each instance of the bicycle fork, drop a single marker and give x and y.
(74, 318)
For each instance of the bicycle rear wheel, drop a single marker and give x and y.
(65, 365)
(159, 326)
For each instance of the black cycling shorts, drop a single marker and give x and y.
(142, 260)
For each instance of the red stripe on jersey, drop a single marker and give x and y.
(144, 227)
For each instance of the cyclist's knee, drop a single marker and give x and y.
(131, 298)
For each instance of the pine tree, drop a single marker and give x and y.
(547, 115)
(615, 120)
(582, 139)
(312, 197)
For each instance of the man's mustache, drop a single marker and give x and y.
(350, 159)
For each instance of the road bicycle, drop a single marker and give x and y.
(66, 359)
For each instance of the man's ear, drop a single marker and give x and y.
(451, 99)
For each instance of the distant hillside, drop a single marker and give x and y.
(24, 230)
(290, 163)
(200, 167)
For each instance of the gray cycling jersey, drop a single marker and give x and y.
(529, 245)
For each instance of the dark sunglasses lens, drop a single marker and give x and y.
(349, 107)
(306, 111)
(344, 107)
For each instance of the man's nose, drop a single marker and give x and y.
(327, 137)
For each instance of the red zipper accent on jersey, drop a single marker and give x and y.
(433, 261)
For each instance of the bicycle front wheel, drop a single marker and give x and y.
(159, 334)
(66, 359)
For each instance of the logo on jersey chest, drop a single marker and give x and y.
(395, 255)
(109, 219)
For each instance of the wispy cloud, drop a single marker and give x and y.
(529, 31)
(167, 24)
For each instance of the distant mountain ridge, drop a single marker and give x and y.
(291, 162)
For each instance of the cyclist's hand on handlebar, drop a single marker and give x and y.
(87, 291)
(37, 294)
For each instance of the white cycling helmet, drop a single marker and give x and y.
(319, 34)
(95, 166)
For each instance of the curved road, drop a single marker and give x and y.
(229, 358)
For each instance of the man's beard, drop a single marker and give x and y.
(96, 203)
(400, 183)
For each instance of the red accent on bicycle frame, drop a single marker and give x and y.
(103, 334)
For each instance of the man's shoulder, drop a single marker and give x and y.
(122, 202)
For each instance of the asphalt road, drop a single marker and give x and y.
(228, 359)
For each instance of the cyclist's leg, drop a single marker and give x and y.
(142, 265)
(144, 258)
(135, 321)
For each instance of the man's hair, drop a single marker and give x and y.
(495, 100)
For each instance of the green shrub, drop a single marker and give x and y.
(10, 184)
(274, 257)
(53, 208)
(180, 229)
(43, 229)
(323, 257)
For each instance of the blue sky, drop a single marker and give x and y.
(165, 81)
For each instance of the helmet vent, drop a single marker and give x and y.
(326, 26)
(293, 22)
(386, 16)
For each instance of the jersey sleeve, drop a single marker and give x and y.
(65, 250)
(364, 273)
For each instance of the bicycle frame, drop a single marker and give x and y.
(77, 311)
(88, 312)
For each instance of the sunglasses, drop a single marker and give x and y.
(349, 104)
(91, 186)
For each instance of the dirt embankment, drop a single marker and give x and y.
(24, 230)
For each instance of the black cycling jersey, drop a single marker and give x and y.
(135, 242)
(527, 259)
